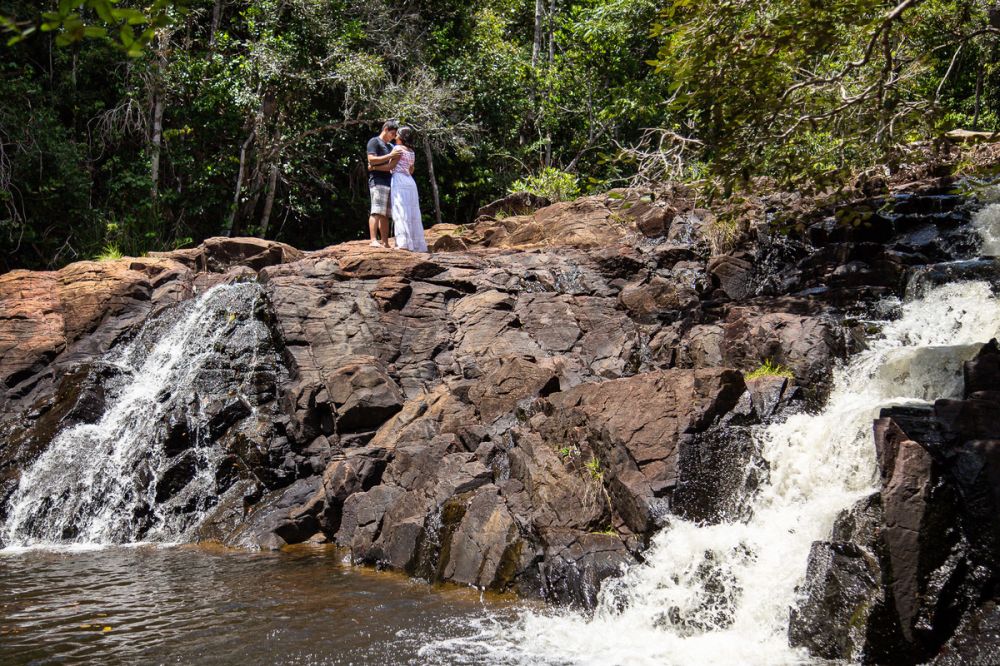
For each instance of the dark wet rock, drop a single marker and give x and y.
(225, 414)
(843, 585)
(845, 612)
(576, 564)
(177, 475)
(933, 275)
(283, 517)
(768, 392)
(717, 470)
(977, 641)
(732, 274)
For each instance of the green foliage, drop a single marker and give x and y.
(553, 184)
(137, 131)
(810, 91)
(71, 21)
(769, 369)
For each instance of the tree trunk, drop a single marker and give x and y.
(272, 185)
(216, 21)
(239, 183)
(536, 47)
(156, 138)
(434, 186)
(552, 59)
(979, 92)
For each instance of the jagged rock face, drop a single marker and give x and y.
(920, 558)
(520, 409)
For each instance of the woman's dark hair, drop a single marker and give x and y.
(405, 136)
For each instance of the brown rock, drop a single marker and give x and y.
(219, 254)
(519, 203)
(805, 344)
(510, 382)
(646, 300)
(363, 395)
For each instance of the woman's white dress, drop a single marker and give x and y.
(407, 226)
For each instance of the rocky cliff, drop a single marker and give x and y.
(520, 409)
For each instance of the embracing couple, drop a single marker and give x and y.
(393, 190)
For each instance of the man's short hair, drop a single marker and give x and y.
(390, 125)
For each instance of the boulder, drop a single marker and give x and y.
(807, 345)
(519, 203)
(219, 254)
(363, 395)
(732, 275)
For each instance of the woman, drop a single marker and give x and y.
(407, 226)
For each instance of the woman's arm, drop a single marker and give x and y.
(394, 156)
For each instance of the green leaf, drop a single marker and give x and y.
(130, 16)
(103, 9)
(127, 35)
(93, 32)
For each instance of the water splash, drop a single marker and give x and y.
(986, 221)
(720, 594)
(98, 482)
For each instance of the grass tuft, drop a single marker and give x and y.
(111, 252)
(768, 369)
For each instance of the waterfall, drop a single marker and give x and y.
(987, 223)
(721, 594)
(103, 482)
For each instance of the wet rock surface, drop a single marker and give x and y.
(522, 408)
(911, 574)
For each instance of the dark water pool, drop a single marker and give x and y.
(188, 605)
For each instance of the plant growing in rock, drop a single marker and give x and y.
(110, 252)
(568, 451)
(594, 467)
(769, 369)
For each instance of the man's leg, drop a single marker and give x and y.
(373, 226)
(378, 235)
(384, 229)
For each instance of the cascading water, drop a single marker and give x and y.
(721, 594)
(104, 482)
(987, 224)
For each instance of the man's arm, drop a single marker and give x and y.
(378, 160)
(385, 162)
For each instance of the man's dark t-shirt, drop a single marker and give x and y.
(378, 147)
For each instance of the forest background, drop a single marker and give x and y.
(130, 126)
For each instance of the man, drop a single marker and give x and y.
(379, 180)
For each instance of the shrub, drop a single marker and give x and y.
(553, 184)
